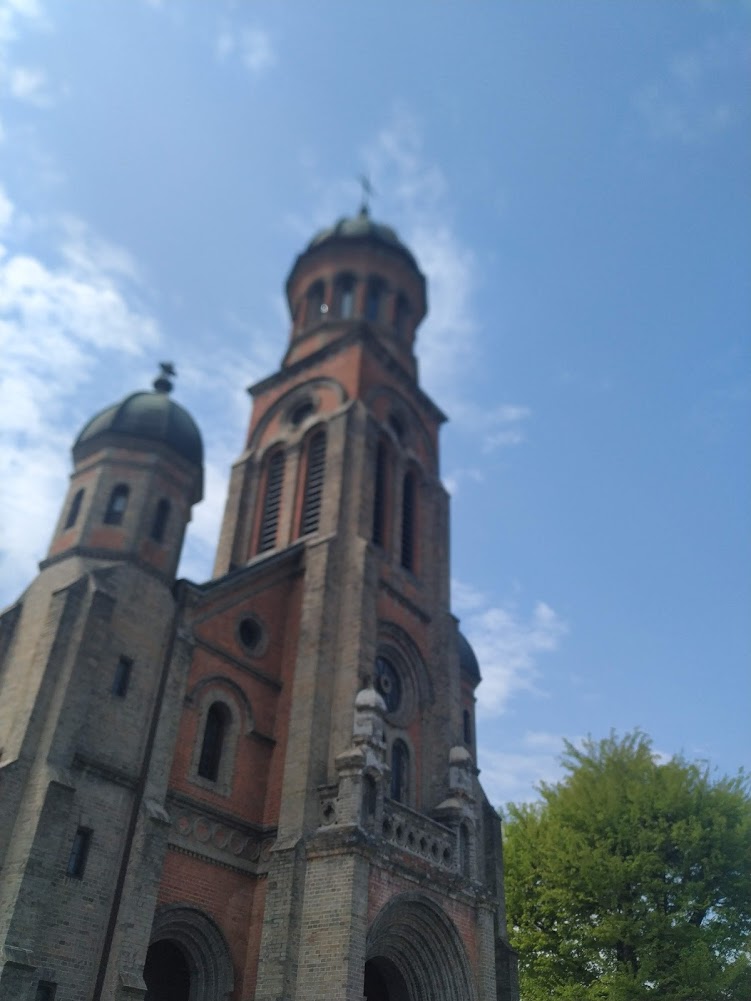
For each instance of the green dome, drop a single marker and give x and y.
(467, 659)
(360, 227)
(153, 416)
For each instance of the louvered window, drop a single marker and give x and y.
(272, 503)
(408, 522)
(379, 496)
(311, 510)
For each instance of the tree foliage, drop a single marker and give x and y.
(630, 880)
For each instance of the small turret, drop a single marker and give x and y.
(138, 469)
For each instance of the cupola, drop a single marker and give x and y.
(355, 273)
(138, 470)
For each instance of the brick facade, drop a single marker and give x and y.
(282, 803)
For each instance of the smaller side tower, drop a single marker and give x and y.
(138, 472)
(85, 656)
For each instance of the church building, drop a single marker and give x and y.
(262, 787)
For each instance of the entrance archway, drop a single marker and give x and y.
(415, 953)
(383, 981)
(167, 973)
(187, 945)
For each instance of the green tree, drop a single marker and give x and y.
(630, 880)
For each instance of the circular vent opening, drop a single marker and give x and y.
(250, 634)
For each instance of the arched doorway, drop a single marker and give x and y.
(383, 981)
(167, 973)
(415, 953)
(188, 959)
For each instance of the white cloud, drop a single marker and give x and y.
(24, 83)
(12, 16)
(62, 319)
(418, 191)
(27, 8)
(6, 210)
(507, 643)
(466, 597)
(452, 481)
(501, 426)
(515, 776)
(225, 43)
(699, 93)
(414, 191)
(29, 84)
(253, 46)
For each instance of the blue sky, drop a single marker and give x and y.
(573, 178)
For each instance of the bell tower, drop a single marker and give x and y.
(378, 795)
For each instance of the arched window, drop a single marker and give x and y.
(401, 315)
(118, 502)
(311, 507)
(344, 296)
(400, 772)
(74, 510)
(408, 522)
(379, 495)
(373, 298)
(467, 719)
(369, 798)
(79, 852)
(315, 306)
(161, 516)
(217, 721)
(272, 502)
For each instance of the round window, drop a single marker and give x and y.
(388, 684)
(301, 412)
(250, 634)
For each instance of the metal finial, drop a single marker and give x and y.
(163, 382)
(367, 192)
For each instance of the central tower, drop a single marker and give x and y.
(387, 855)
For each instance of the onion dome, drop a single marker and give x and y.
(467, 659)
(152, 416)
